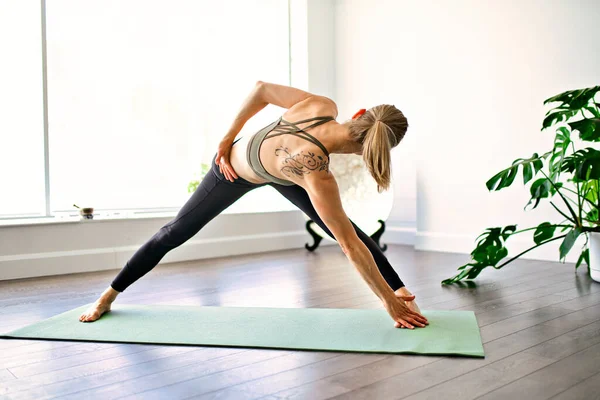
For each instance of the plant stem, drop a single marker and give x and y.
(561, 213)
(584, 198)
(577, 223)
(531, 248)
(528, 229)
(579, 205)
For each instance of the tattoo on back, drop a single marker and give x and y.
(301, 163)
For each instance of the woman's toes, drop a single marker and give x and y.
(94, 312)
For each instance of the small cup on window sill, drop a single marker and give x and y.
(87, 213)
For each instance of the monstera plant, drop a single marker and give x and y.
(569, 178)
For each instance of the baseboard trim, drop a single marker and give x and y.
(465, 244)
(101, 259)
(109, 258)
(399, 235)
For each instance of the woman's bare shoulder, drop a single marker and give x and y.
(312, 106)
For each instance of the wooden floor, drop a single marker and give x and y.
(540, 323)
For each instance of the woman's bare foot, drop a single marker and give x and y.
(95, 311)
(100, 307)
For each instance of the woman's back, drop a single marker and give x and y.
(274, 151)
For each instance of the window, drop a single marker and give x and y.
(21, 101)
(139, 95)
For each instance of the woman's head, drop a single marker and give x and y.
(379, 130)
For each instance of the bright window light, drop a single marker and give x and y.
(22, 189)
(139, 95)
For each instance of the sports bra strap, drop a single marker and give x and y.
(311, 119)
(321, 120)
(293, 129)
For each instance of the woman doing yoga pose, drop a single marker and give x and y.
(295, 162)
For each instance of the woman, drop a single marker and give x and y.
(294, 162)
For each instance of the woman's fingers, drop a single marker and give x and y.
(231, 171)
(414, 313)
(406, 324)
(419, 318)
(222, 160)
(415, 322)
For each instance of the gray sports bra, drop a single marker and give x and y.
(280, 127)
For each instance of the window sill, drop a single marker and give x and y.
(118, 216)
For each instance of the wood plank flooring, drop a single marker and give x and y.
(540, 323)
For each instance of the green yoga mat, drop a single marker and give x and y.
(349, 330)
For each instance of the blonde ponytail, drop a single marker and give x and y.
(376, 153)
(379, 130)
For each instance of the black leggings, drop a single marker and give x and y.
(214, 194)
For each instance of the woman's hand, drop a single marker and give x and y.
(408, 298)
(222, 160)
(402, 315)
(412, 305)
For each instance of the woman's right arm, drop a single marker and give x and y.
(265, 93)
(262, 94)
(324, 195)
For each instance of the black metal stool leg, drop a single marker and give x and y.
(377, 235)
(316, 237)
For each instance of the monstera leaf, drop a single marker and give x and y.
(489, 251)
(506, 177)
(585, 256)
(491, 248)
(568, 242)
(588, 129)
(574, 99)
(540, 189)
(572, 103)
(562, 140)
(543, 232)
(584, 164)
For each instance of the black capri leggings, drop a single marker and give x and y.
(213, 195)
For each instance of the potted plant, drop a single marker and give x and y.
(193, 185)
(571, 174)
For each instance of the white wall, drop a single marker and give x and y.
(471, 77)
(371, 68)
